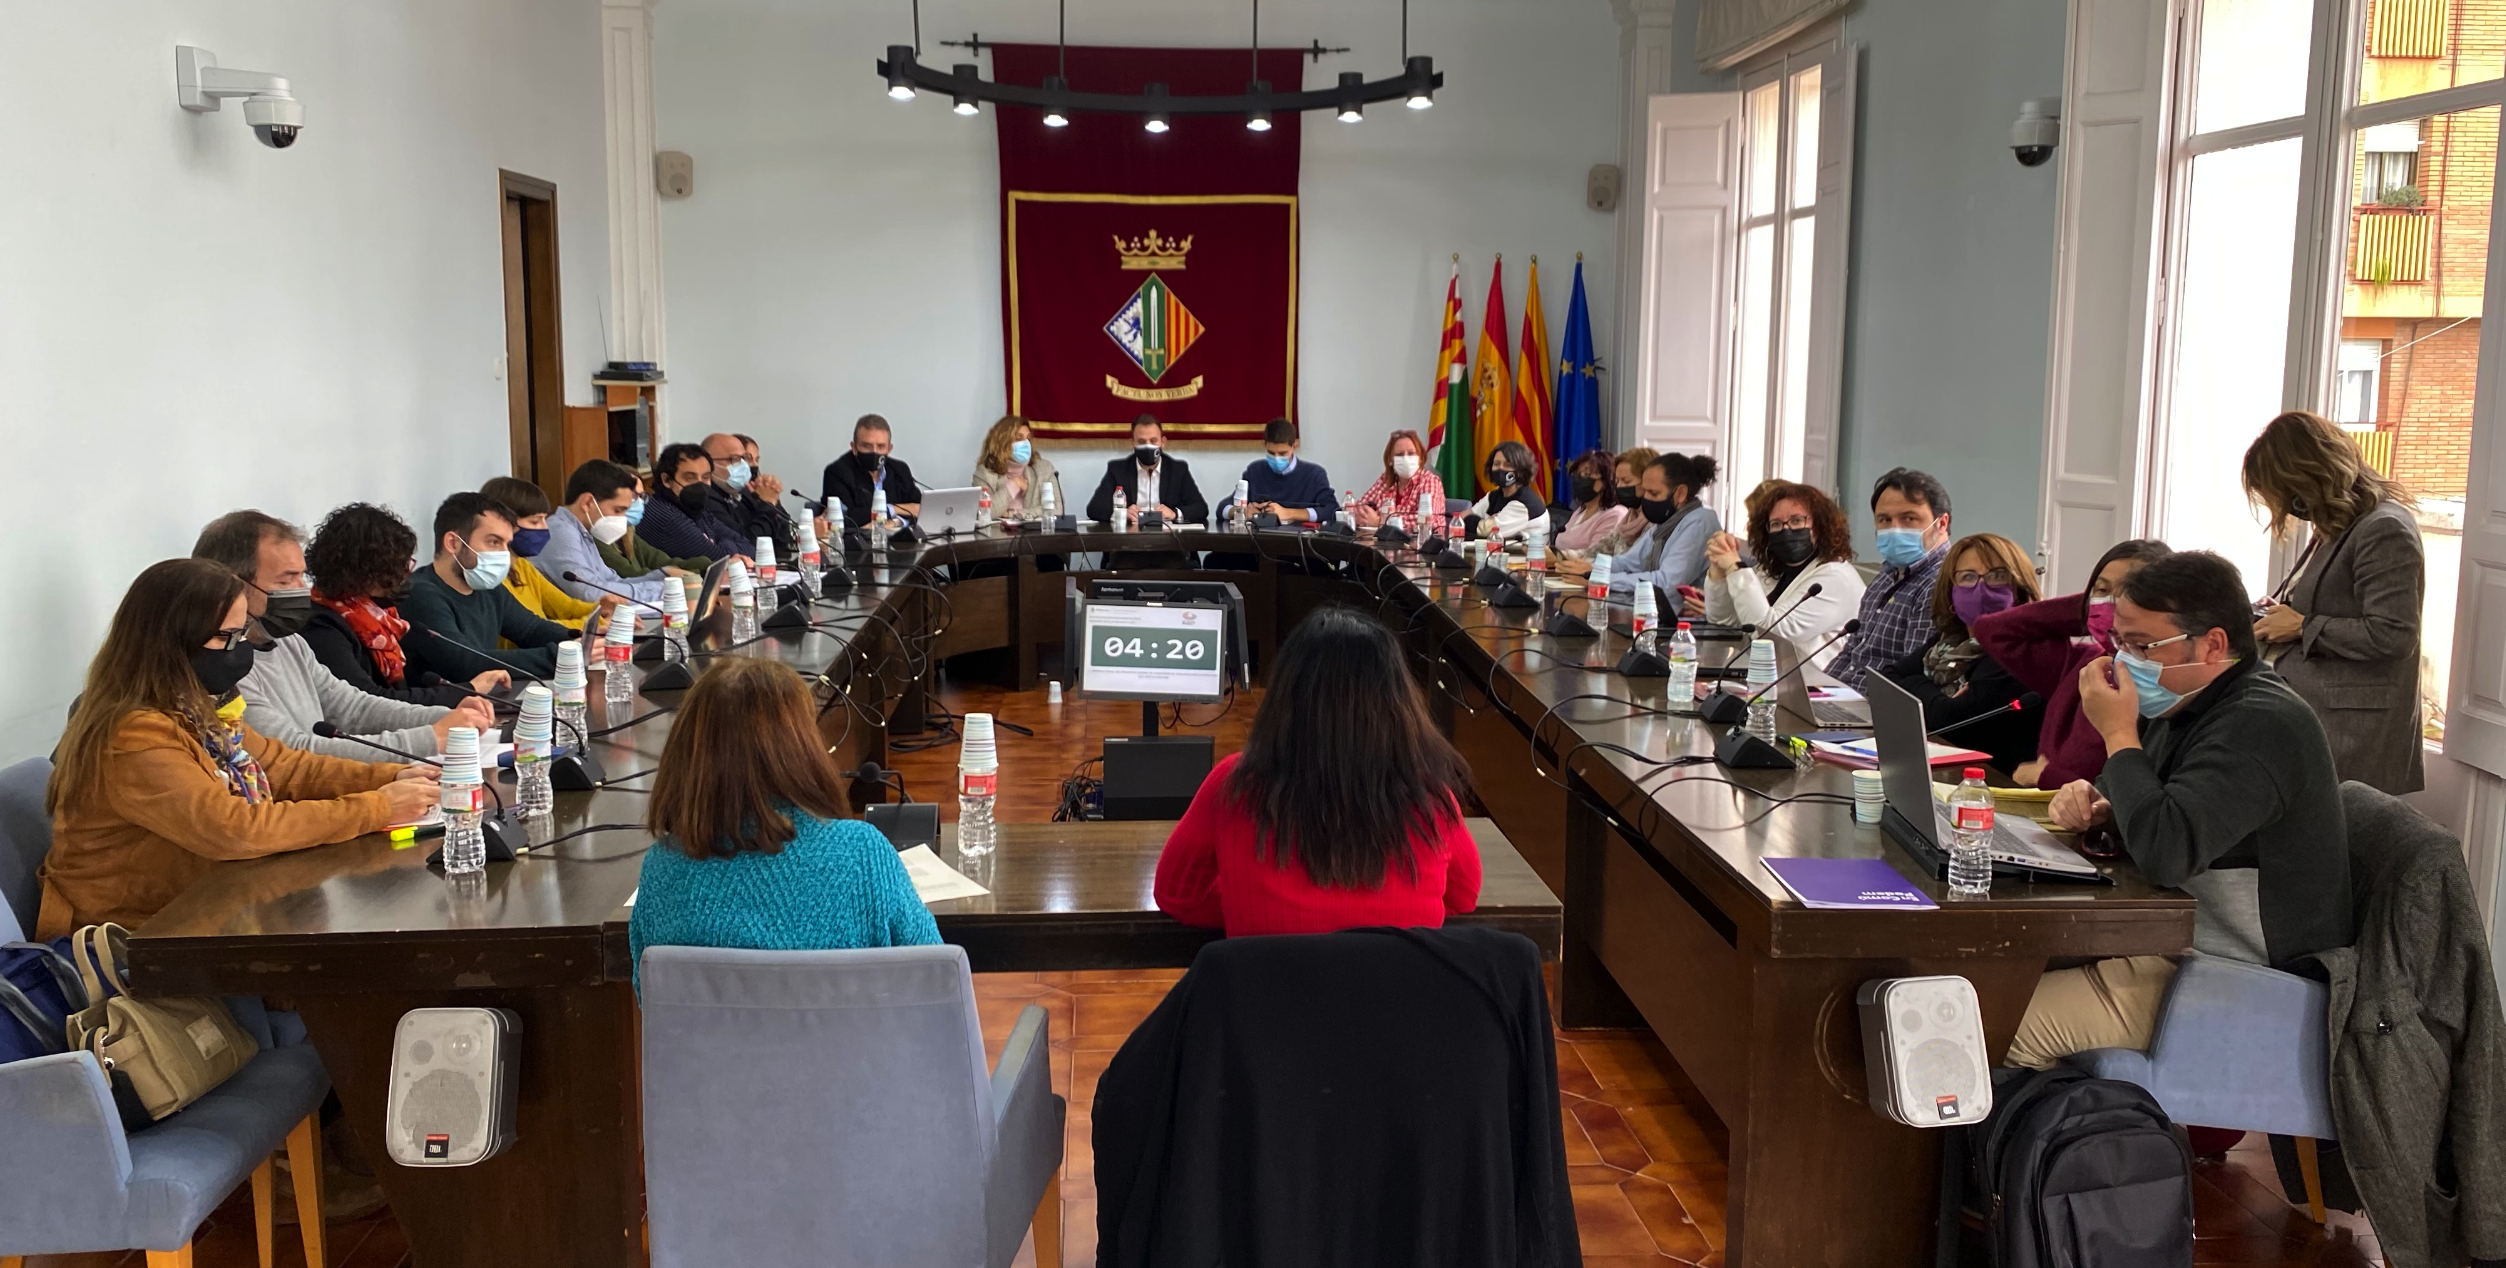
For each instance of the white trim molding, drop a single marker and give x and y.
(626, 67)
(1645, 70)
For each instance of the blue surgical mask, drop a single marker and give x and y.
(1020, 451)
(1901, 547)
(2154, 696)
(1279, 465)
(489, 572)
(737, 476)
(635, 512)
(529, 542)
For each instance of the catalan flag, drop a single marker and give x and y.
(1449, 401)
(1492, 385)
(1533, 411)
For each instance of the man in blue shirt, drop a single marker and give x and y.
(597, 497)
(1911, 512)
(1295, 491)
(1670, 552)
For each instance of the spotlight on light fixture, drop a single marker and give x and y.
(1053, 116)
(1423, 71)
(966, 70)
(900, 72)
(1157, 118)
(1352, 109)
(1259, 120)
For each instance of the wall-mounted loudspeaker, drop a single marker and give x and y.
(1601, 187)
(1923, 1045)
(453, 1077)
(674, 173)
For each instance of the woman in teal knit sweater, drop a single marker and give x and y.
(750, 845)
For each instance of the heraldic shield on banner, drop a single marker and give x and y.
(1179, 306)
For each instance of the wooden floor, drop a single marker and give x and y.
(1647, 1169)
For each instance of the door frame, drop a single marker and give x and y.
(535, 390)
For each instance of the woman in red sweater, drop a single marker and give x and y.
(2044, 644)
(1344, 809)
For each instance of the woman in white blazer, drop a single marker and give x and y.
(1017, 475)
(1800, 539)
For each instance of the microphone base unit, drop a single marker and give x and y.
(1390, 536)
(673, 676)
(578, 770)
(506, 837)
(1742, 751)
(1724, 707)
(1491, 575)
(1568, 625)
(1639, 663)
(791, 616)
(1335, 528)
(1511, 595)
(1061, 524)
(1448, 559)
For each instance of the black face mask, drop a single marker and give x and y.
(1145, 455)
(1657, 512)
(1626, 495)
(1501, 477)
(1791, 547)
(695, 498)
(1587, 488)
(870, 462)
(219, 669)
(286, 612)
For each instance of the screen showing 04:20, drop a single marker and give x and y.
(1154, 653)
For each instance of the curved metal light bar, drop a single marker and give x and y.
(1417, 83)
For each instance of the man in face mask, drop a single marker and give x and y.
(1669, 552)
(287, 689)
(1910, 512)
(687, 516)
(2218, 781)
(458, 607)
(1281, 483)
(598, 496)
(868, 469)
(747, 496)
(1149, 478)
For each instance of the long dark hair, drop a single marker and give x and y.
(1344, 771)
(745, 744)
(168, 613)
(2139, 550)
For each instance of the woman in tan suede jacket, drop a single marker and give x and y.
(158, 777)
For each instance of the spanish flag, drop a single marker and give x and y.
(1449, 402)
(1534, 408)
(1492, 387)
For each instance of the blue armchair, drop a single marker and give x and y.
(2238, 1046)
(25, 837)
(830, 1108)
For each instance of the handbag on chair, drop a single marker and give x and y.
(169, 1051)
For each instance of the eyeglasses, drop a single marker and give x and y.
(2142, 650)
(227, 638)
(1783, 526)
(1968, 577)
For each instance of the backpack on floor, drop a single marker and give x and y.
(2076, 1172)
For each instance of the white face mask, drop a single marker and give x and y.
(1404, 466)
(608, 529)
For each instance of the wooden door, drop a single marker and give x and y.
(534, 357)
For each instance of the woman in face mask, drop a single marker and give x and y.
(527, 583)
(1594, 484)
(1661, 541)
(1513, 506)
(1404, 481)
(2043, 644)
(158, 777)
(1799, 539)
(1983, 574)
(1015, 473)
(1628, 468)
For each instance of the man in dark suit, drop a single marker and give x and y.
(1167, 478)
(850, 479)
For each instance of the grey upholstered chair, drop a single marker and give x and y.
(25, 837)
(72, 1181)
(830, 1109)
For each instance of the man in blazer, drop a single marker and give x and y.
(1167, 478)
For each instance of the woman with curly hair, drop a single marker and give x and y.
(359, 561)
(1800, 539)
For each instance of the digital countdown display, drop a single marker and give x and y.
(1143, 652)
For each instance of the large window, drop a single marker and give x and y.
(1782, 98)
(2325, 247)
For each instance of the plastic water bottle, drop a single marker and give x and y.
(1243, 517)
(766, 575)
(1642, 616)
(465, 842)
(743, 604)
(879, 519)
(1762, 718)
(1122, 512)
(1347, 514)
(674, 620)
(813, 561)
(534, 746)
(1683, 657)
(1536, 550)
(617, 688)
(978, 780)
(1971, 836)
(572, 716)
(1597, 585)
(983, 507)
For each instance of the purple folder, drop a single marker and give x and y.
(1848, 883)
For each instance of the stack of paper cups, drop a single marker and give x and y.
(976, 753)
(534, 733)
(460, 771)
(808, 542)
(1870, 795)
(743, 591)
(765, 563)
(1053, 691)
(674, 603)
(1761, 662)
(621, 646)
(569, 679)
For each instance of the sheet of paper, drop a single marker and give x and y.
(935, 881)
(631, 896)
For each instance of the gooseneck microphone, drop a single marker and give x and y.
(503, 829)
(581, 580)
(1778, 619)
(2027, 701)
(490, 657)
(1726, 707)
(576, 771)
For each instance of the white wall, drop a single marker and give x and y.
(190, 322)
(841, 254)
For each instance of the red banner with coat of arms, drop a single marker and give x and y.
(1145, 272)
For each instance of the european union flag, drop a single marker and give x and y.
(1578, 397)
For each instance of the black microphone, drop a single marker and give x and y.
(503, 829)
(577, 771)
(1726, 707)
(2030, 700)
(581, 580)
(1778, 619)
(490, 657)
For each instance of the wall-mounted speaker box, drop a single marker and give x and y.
(454, 1072)
(1923, 1047)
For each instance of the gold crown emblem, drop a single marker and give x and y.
(1151, 250)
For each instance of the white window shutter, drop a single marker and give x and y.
(2106, 285)
(1691, 209)
(2475, 714)
(1837, 98)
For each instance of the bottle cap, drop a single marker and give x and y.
(1975, 773)
(569, 663)
(1683, 625)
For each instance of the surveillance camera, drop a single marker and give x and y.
(2037, 131)
(275, 119)
(270, 107)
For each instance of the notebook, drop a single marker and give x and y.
(1849, 883)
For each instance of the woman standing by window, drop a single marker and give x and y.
(2343, 628)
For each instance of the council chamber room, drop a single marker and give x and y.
(969, 633)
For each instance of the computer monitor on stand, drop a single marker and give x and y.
(1155, 642)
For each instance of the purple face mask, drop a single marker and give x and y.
(1979, 600)
(2101, 622)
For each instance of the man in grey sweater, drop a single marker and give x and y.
(288, 690)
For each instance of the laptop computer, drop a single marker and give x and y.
(948, 511)
(1919, 820)
(1792, 693)
(701, 603)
